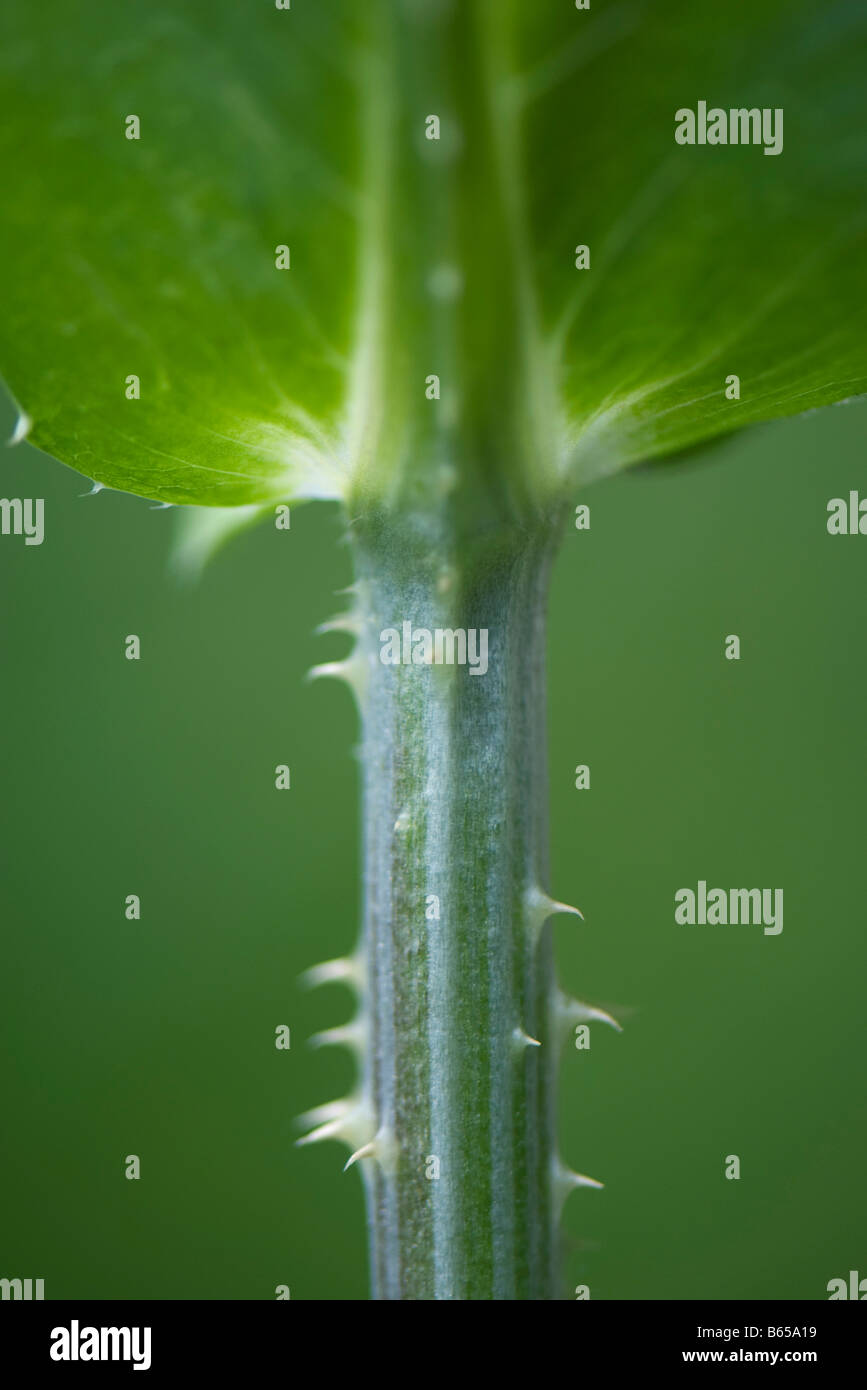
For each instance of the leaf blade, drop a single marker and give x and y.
(706, 261)
(156, 257)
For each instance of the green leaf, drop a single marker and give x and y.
(706, 261)
(156, 257)
(413, 258)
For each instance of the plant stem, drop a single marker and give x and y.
(455, 823)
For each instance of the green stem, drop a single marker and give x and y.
(455, 810)
(456, 427)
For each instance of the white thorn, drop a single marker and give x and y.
(333, 1129)
(97, 487)
(366, 1151)
(161, 506)
(352, 670)
(23, 426)
(566, 1181)
(523, 1039)
(344, 622)
(322, 1114)
(555, 908)
(348, 1035)
(573, 1011)
(587, 1012)
(580, 1180)
(352, 1125)
(539, 907)
(381, 1147)
(346, 968)
(328, 670)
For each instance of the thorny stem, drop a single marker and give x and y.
(454, 1123)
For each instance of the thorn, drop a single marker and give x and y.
(555, 907)
(564, 1181)
(333, 1129)
(346, 968)
(352, 670)
(348, 1035)
(366, 1151)
(343, 622)
(353, 1126)
(585, 1012)
(23, 426)
(161, 506)
(322, 1114)
(539, 907)
(579, 1180)
(523, 1039)
(327, 670)
(570, 1011)
(381, 1147)
(97, 487)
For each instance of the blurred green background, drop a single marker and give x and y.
(157, 778)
